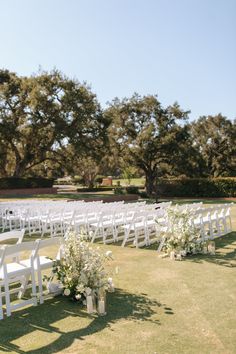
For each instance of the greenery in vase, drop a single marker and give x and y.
(81, 271)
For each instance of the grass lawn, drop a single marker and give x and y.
(159, 306)
(132, 182)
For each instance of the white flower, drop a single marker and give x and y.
(67, 292)
(108, 254)
(88, 291)
(109, 280)
(78, 296)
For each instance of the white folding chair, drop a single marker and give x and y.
(12, 235)
(43, 262)
(15, 272)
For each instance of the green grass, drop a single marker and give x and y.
(133, 182)
(159, 306)
(69, 196)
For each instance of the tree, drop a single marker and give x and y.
(214, 138)
(40, 115)
(145, 134)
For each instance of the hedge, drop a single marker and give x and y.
(126, 190)
(20, 183)
(197, 187)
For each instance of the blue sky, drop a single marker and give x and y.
(182, 50)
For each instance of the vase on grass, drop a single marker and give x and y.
(101, 303)
(91, 303)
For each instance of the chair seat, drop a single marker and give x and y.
(137, 225)
(44, 262)
(15, 269)
(102, 224)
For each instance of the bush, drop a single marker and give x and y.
(143, 194)
(62, 181)
(132, 190)
(78, 180)
(197, 187)
(119, 191)
(31, 182)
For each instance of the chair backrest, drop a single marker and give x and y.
(7, 252)
(15, 234)
(49, 242)
(54, 241)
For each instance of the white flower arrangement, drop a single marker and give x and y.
(182, 236)
(81, 271)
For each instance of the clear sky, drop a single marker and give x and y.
(182, 50)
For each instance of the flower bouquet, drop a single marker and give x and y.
(81, 272)
(182, 236)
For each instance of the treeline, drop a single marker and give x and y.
(51, 126)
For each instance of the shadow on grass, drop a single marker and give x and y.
(225, 252)
(121, 305)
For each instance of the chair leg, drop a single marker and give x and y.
(1, 310)
(7, 298)
(40, 287)
(23, 286)
(34, 289)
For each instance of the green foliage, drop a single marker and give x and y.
(132, 190)
(145, 134)
(31, 182)
(197, 187)
(41, 116)
(78, 180)
(119, 191)
(213, 139)
(143, 195)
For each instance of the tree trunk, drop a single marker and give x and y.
(20, 168)
(150, 182)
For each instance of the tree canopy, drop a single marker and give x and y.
(51, 125)
(40, 115)
(146, 134)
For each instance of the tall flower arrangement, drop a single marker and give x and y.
(182, 237)
(81, 270)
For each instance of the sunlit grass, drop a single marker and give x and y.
(160, 306)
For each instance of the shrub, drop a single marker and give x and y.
(143, 194)
(119, 191)
(79, 180)
(132, 190)
(63, 182)
(19, 182)
(197, 187)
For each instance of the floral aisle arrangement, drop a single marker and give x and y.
(182, 237)
(81, 273)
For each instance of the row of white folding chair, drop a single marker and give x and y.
(57, 223)
(10, 209)
(31, 219)
(109, 219)
(90, 216)
(21, 270)
(110, 223)
(142, 226)
(214, 221)
(41, 220)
